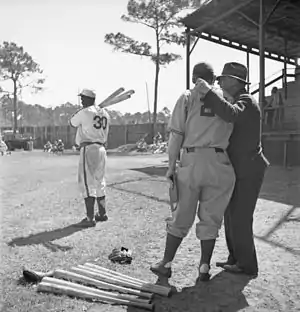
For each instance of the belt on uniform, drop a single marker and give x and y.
(90, 143)
(193, 149)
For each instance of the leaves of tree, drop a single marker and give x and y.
(162, 16)
(17, 65)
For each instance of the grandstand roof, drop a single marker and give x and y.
(235, 23)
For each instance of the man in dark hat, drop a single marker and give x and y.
(245, 152)
(204, 179)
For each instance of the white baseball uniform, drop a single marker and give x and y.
(205, 176)
(92, 125)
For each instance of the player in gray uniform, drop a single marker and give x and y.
(205, 177)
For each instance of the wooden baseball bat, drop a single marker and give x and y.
(113, 95)
(116, 100)
(95, 266)
(112, 276)
(156, 289)
(50, 287)
(104, 277)
(74, 277)
(123, 277)
(56, 281)
(126, 278)
(129, 92)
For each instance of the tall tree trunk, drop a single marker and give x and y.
(155, 91)
(15, 107)
(156, 83)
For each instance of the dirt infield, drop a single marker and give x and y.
(40, 205)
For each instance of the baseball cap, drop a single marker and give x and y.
(203, 70)
(88, 93)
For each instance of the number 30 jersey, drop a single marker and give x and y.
(92, 124)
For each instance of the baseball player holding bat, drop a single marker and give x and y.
(92, 123)
(205, 177)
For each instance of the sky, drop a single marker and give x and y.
(66, 38)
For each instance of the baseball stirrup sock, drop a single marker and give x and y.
(207, 248)
(89, 204)
(172, 244)
(101, 205)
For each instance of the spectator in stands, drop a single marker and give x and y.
(274, 113)
(278, 104)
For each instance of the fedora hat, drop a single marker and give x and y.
(235, 70)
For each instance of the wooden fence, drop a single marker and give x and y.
(118, 134)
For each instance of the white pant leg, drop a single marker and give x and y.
(91, 171)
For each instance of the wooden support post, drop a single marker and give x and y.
(248, 67)
(285, 154)
(285, 69)
(126, 134)
(188, 43)
(262, 54)
(34, 136)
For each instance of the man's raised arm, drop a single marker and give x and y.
(224, 109)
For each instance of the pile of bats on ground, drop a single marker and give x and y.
(93, 282)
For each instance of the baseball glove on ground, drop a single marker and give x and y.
(122, 256)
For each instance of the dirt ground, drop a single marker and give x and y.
(40, 204)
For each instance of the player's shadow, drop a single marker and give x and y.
(46, 238)
(153, 170)
(224, 292)
(282, 186)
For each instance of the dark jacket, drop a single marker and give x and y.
(245, 149)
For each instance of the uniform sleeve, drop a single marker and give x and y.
(224, 109)
(177, 120)
(76, 118)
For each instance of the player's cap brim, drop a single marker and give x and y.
(81, 94)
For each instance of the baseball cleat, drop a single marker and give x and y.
(238, 270)
(160, 270)
(100, 218)
(86, 223)
(222, 264)
(233, 268)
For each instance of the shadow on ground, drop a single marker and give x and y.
(281, 186)
(153, 170)
(46, 238)
(224, 292)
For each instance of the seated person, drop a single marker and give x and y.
(3, 147)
